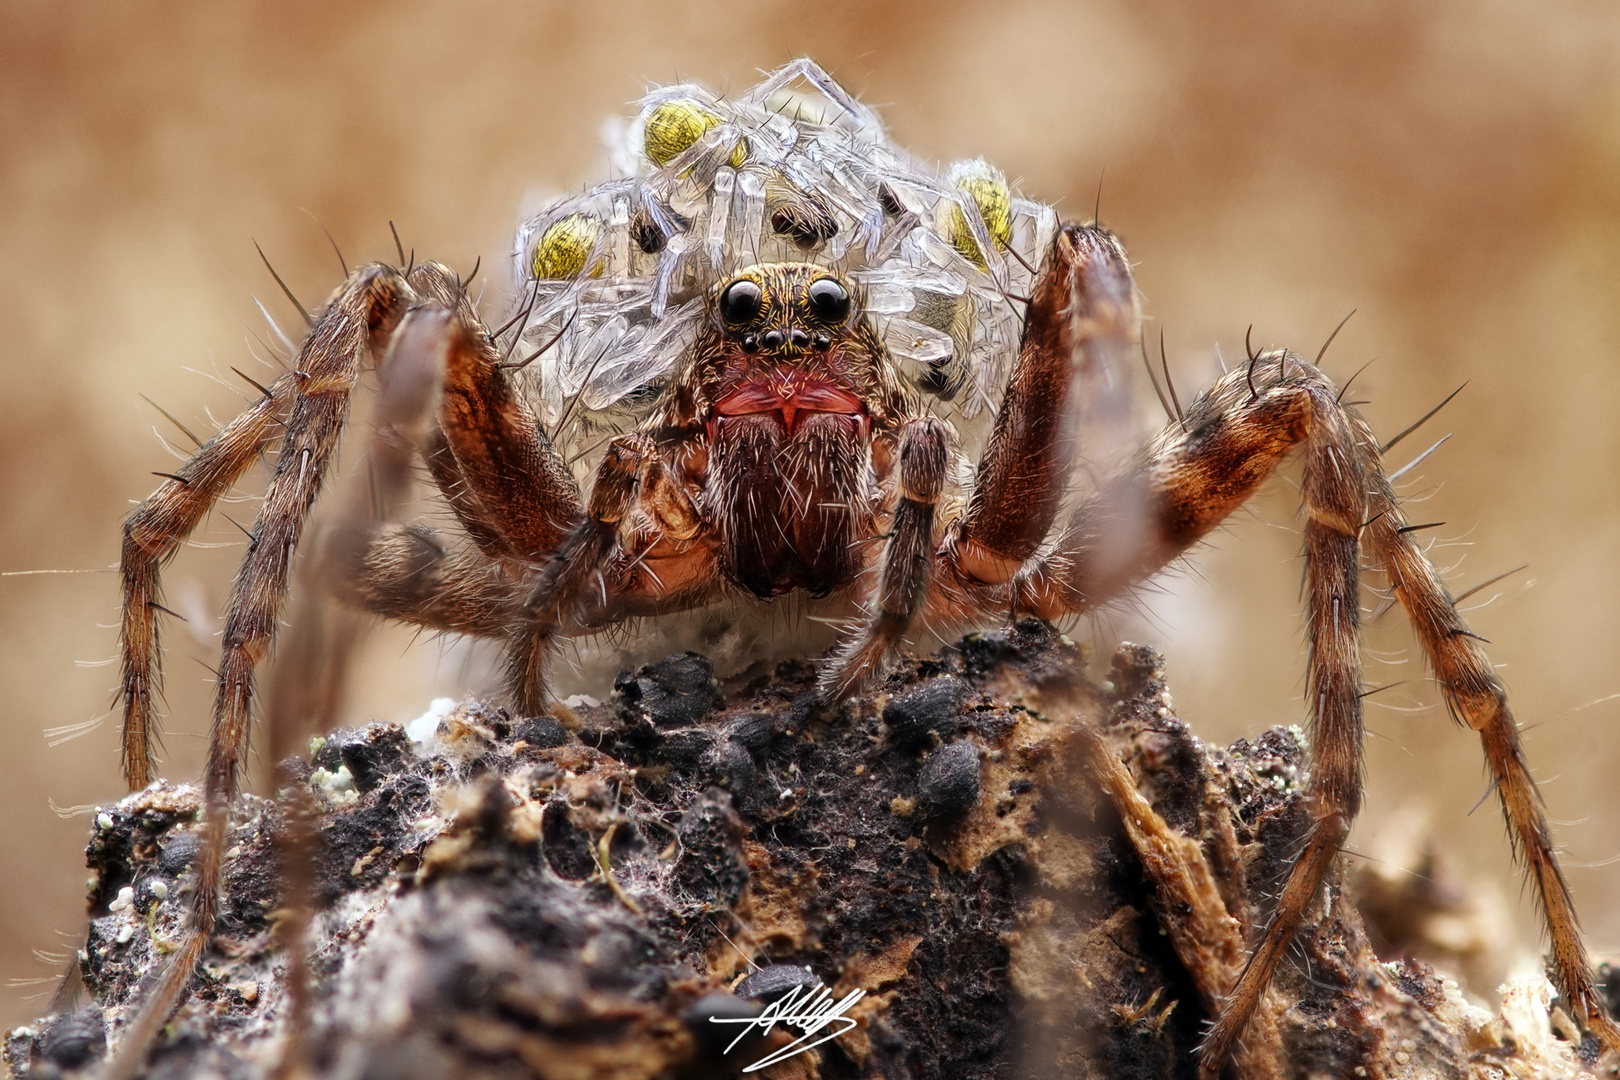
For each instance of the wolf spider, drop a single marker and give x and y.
(790, 433)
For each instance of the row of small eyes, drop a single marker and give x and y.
(743, 302)
(673, 126)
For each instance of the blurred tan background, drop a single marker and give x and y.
(1450, 169)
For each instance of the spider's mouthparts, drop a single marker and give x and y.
(789, 397)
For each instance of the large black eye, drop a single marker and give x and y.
(829, 301)
(740, 304)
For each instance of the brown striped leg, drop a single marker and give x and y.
(444, 395)
(1186, 483)
(363, 311)
(573, 579)
(907, 562)
(1475, 695)
(502, 458)
(1083, 308)
(1189, 480)
(411, 574)
(434, 341)
(152, 533)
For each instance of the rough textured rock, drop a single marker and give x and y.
(1027, 874)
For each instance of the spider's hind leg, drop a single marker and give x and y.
(1476, 696)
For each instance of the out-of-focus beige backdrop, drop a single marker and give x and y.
(1450, 169)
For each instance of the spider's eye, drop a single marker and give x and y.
(742, 302)
(829, 301)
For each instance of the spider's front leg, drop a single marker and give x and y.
(906, 564)
(1083, 307)
(1189, 480)
(359, 317)
(1083, 313)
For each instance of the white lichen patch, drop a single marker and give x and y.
(424, 730)
(338, 786)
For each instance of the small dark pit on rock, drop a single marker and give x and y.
(709, 1020)
(568, 848)
(948, 784)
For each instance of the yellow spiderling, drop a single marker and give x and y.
(564, 246)
(674, 125)
(987, 187)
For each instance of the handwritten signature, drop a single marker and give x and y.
(816, 1010)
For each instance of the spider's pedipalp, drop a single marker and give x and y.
(564, 584)
(907, 560)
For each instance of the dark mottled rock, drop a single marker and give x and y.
(930, 708)
(75, 1039)
(541, 732)
(370, 754)
(731, 766)
(191, 1057)
(678, 691)
(712, 866)
(949, 782)
(754, 731)
(686, 749)
(376, 751)
(495, 907)
(177, 853)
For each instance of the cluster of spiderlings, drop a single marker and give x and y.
(794, 169)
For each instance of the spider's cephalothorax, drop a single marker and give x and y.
(798, 408)
(764, 346)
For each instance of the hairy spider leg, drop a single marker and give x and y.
(360, 316)
(1083, 307)
(153, 532)
(1190, 479)
(1475, 696)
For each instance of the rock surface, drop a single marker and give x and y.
(1024, 873)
